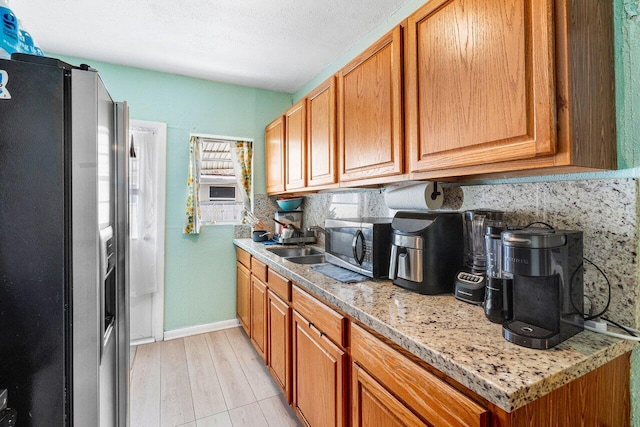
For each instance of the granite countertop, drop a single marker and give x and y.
(453, 336)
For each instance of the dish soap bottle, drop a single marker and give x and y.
(8, 31)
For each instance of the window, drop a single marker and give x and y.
(221, 199)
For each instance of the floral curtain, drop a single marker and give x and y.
(192, 213)
(242, 156)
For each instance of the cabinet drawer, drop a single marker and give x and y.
(432, 399)
(325, 319)
(243, 257)
(280, 285)
(259, 269)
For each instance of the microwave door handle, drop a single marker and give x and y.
(354, 246)
(393, 263)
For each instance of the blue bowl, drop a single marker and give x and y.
(289, 204)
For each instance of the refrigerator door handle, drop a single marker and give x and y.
(106, 235)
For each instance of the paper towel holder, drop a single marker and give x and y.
(435, 193)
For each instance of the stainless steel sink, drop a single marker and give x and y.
(300, 255)
(294, 252)
(307, 259)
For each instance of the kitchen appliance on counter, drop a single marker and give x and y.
(426, 251)
(359, 244)
(547, 286)
(293, 218)
(289, 229)
(498, 294)
(470, 281)
(64, 331)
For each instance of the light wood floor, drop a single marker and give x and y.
(214, 379)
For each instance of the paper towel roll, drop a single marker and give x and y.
(414, 197)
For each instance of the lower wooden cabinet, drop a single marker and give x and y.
(279, 342)
(243, 297)
(304, 343)
(319, 376)
(373, 405)
(426, 398)
(259, 316)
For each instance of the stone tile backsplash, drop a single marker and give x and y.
(607, 211)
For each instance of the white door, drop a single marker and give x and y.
(147, 164)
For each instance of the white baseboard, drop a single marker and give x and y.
(141, 341)
(200, 329)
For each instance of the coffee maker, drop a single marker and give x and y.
(546, 266)
(426, 251)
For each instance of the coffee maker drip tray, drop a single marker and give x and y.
(528, 335)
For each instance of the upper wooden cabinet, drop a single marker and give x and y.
(500, 86)
(274, 147)
(479, 82)
(321, 135)
(463, 88)
(296, 145)
(370, 125)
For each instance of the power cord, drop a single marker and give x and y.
(588, 327)
(606, 307)
(619, 326)
(600, 327)
(590, 324)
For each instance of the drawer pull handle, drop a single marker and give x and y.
(318, 331)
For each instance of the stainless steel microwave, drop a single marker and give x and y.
(359, 244)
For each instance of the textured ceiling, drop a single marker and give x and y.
(270, 44)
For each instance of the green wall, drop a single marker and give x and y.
(628, 114)
(199, 270)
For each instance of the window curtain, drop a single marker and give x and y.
(192, 214)
(143, 215)
(242, 157)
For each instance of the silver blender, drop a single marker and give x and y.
(470, 282)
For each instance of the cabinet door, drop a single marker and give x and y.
(372, 405)
(479, 83)
(321, 133)
(243, 297)
(370, 126)
(279, 348)
(319, 369)
(259, 316)
(428, 396)
(296, 145)
(274, 156)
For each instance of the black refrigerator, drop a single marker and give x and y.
(64, 344)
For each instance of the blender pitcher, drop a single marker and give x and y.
(475, 222)
(497, 300)
(470, 282)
